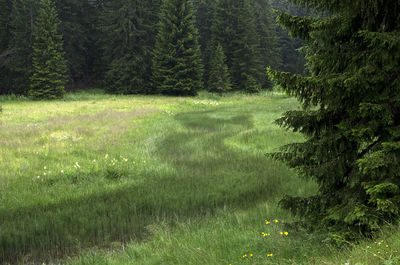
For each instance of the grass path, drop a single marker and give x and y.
(147, 180)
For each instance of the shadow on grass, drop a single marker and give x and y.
(207, 174)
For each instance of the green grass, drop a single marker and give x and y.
(149, 180)
(225, 239)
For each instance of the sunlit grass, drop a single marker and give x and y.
(92, 169)
(148, 180)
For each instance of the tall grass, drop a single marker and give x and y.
(98, 169)
(236, 237)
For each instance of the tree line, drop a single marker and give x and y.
(173, 47)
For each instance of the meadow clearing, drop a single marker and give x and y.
(100, 179)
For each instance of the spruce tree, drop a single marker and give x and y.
(350, 116)
(268, 40)
(205, 10)
(49, 67)
(219, 79)
(5, 9)
(234, 27)
(5, 19)
(204, 16)
(78, 20)
(19, 63)
(177, 57)
(247, 70)
(129, 27)
(292, 60)
(224, 31)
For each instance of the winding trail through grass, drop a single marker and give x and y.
(185, 166)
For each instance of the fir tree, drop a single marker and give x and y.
(234, 27)
(177, 58)
(5, 9)
(204, 16)
(223, 31)
(247, 70)
(204, 19)
(350, 115)
(49, 67)
(78, 20)
(292, 60)
(219, 80)
(129, 25)
(5, 19)
(268, 39)
(19, 62)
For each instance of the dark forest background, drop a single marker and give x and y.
(122, 45)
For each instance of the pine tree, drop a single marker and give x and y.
(224, 30)
(78, 20)
(205, 10)
(5, 9)
(177, 58)
(246, 65)
(234, 27)
(19, 63)
(49, 67)
(268, 39)
(219, 80)
(129, 27)
(5, 19)
(204, 16)
(350, 116)
(292, 60)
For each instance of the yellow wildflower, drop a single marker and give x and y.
(265, 235)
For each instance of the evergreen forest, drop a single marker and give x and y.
(201, 132)
(142, 47)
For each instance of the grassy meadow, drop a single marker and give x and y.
(100, 179)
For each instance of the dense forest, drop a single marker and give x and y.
(142, 47)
